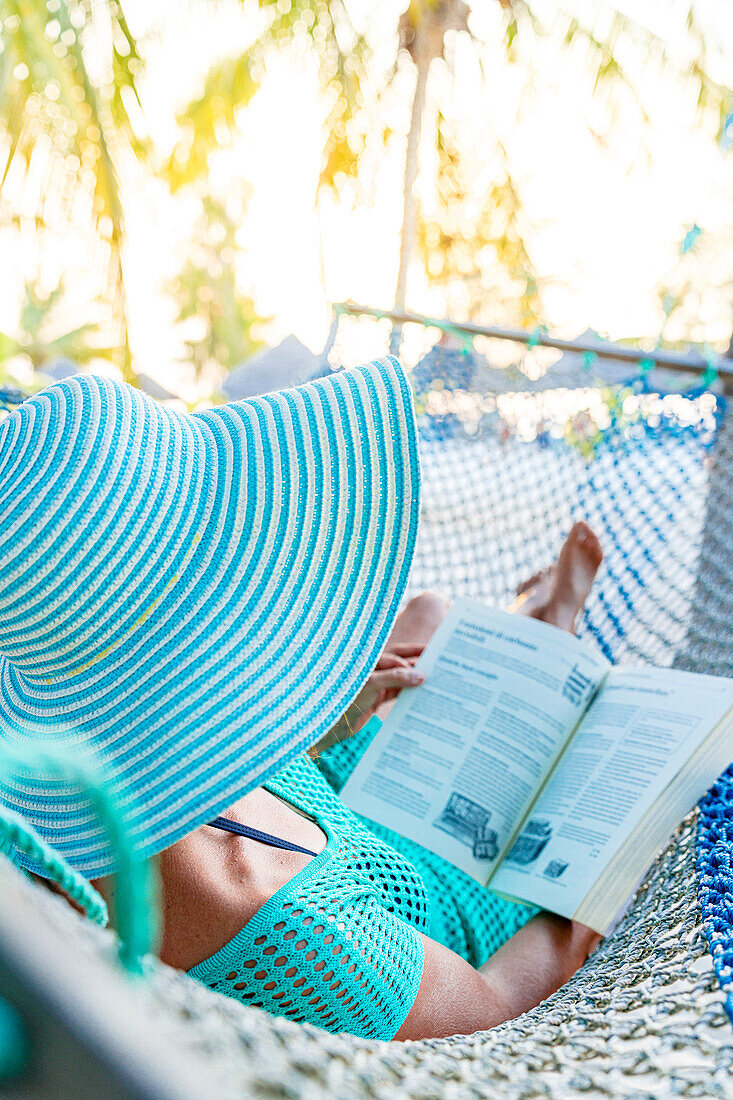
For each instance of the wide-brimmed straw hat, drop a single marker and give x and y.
(193, 598)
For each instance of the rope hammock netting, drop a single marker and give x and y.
(510, 456)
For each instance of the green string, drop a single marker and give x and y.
(136, 912)
(465, 339)
(14, 1045)
(710, 374)
(535, 336)
(18, 836)
(690, 239)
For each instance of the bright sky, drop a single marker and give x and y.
(607, 215)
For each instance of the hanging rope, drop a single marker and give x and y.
(136, 913)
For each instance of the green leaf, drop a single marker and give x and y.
(211, 118)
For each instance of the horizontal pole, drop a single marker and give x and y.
(671, 360)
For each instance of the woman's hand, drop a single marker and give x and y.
(394, 671)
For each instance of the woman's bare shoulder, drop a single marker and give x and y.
(214, 882)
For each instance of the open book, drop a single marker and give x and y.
(530, 762)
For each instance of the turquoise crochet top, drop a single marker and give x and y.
(338, 945)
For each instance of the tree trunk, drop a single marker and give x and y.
(408, 231)
(127, 372)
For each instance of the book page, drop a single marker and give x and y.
(640, 731)
(459, 759)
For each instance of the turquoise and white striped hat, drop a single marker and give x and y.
(192, 599)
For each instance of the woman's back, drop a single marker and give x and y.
(336, 944)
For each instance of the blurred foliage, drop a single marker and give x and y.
(67, 121)
(343, 54)
(208, 120)
(218, 315)
(70, 75)
(452, 246)
(478, 237)
(478, 233)
(41, 337)
(702, 269)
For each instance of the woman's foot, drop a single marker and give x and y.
(557, 595)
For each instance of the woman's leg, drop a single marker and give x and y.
(555, 596)
(420, 619)
(558, 595)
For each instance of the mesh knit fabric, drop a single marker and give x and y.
(463, 914)
(338, 945)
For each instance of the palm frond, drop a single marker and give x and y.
(210, 119)
(479, 236)
(49, 101)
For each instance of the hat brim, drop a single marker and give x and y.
(284, 559)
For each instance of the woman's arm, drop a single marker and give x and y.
(394, 670)
(455, 999)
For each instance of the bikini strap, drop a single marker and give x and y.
(257, 834)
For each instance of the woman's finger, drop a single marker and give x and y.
(389, 695)
(391, 660)
(396, 678)
(405, 649)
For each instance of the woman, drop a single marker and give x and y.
(192, 599)
(216, 885)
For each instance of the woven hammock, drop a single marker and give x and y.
(509, 460)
